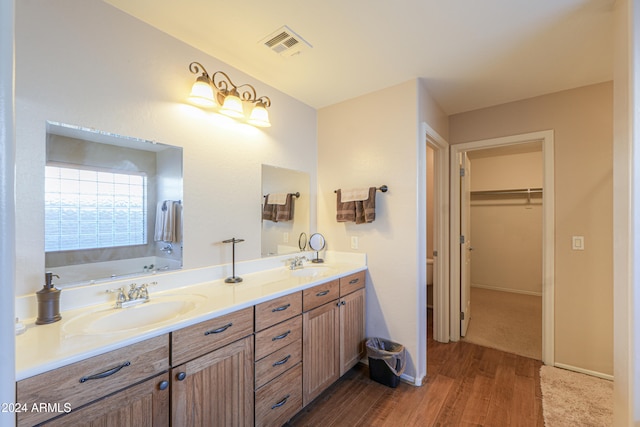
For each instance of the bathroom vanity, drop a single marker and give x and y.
(253, 353)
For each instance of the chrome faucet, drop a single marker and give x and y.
(296, 262)
(137, 294)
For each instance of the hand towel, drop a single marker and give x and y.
(359, 212)
(277, 198)
(278, 212)
(354, 195)
(168, 219)
(284, 212)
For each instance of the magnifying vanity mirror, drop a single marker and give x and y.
(279, 231)
(113, 205)
(317, 243)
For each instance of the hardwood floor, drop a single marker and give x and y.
(466, 385)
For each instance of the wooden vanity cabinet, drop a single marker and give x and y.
(89, 380)
(278, 357)
(212, 376)
(352, 320)
(215, 389)
(144, 405)
(333, 333)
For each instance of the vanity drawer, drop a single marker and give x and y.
(352, 283)
(278, 362)
(319, 295)
(85, 381)
(275, 311)
(278, 336)
(280, 400)
(196, 340)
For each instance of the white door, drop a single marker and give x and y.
(465, 244)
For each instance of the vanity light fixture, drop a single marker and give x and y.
(218, 90)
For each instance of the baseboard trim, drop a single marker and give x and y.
(513, 291)
(584, 371)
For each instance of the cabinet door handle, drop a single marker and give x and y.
(283, 308)
(343, 303)
(354, 281)
(221, 329)
(105, 373)
(281, 362)
(163, 385)
(279, 337)
(181, 376)
(282, 402)
(321, 294)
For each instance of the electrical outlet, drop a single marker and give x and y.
(577, 243)
(354, 242)
(285, 237)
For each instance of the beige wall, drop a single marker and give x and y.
(582, 124)
(506, 230)
(134, 82)
(373, 140)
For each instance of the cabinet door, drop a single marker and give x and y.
(145, 404)
(215, 389)
(321, 353)
(352, 330)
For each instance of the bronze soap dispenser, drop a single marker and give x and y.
(48, 301)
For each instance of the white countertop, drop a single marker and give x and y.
(45, 347)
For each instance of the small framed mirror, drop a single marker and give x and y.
(317, 243)
(302, 241)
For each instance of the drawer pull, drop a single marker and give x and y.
(321, 294)
(279, 337)
(282, 402)
(221, 329)
(105, 373)
(281, 362)
(163, 385)
(354, 281)
(283, 308)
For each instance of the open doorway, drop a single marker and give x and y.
(545, 141)
(501, 257)
(435, 262)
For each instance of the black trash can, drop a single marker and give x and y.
(387, 360)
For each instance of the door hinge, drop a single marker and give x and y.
(462, 315)
(461, 171)
(462, 240)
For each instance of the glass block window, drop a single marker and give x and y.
(87, 209)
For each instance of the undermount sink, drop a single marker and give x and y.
(156, 311)
(311, 271)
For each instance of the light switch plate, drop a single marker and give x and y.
(354, 242)
(577, 243)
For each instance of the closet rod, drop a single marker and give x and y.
(513, 191)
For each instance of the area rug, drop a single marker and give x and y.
(574, 399)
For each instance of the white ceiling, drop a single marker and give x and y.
(470, 53)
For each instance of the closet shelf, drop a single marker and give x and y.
(515, 191)
(510, 191)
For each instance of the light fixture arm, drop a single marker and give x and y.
(195, 67)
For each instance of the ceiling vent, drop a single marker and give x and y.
(284, 41)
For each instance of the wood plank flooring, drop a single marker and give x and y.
(466, 385)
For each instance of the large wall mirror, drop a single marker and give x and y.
(113, 205)
(281, 224)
